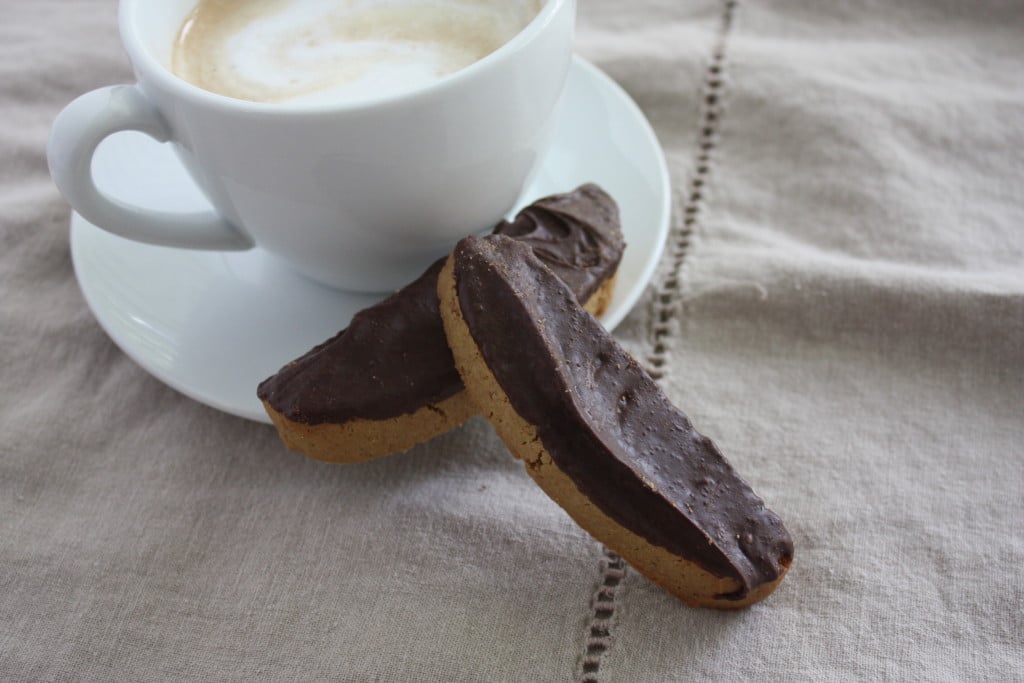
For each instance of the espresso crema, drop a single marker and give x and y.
(338, 50)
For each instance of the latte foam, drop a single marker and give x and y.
(338, 50)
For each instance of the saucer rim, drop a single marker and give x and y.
(630, 300)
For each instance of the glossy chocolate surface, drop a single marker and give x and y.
(393, 358)
(606, 424)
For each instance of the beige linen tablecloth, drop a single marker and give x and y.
(841, 307)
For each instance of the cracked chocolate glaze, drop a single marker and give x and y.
(606, 424)
(393, 358)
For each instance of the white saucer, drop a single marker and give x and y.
(213, 325)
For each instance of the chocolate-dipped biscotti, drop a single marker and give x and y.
(599, 436)
(388, 381)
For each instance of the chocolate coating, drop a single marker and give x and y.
(576, 235)
(393, 358)
(606, 424)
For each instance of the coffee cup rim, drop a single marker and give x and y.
(145, 62)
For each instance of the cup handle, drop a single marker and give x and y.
(76, 133)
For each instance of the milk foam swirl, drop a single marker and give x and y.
(338, 50)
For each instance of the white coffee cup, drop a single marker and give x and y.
(360, 195)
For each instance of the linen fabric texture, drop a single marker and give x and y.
(840, 306)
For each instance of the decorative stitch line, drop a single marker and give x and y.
(667, 289)
(599, 635)
(613, 568)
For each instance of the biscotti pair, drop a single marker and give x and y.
(388, 382)
(598, 434)
(498, 328)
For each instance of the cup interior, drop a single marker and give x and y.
(149, 30)
(155, 25)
